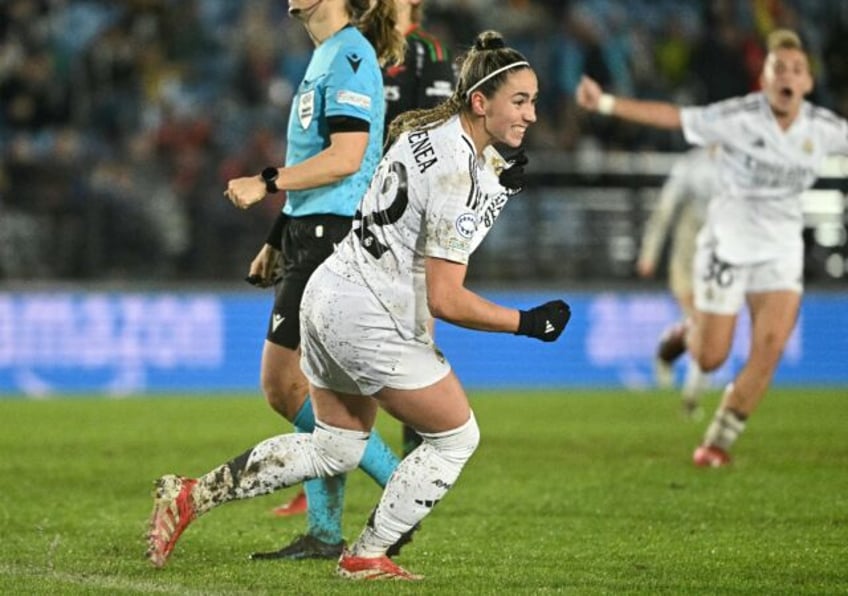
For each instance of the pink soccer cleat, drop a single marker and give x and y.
(352, 567)
(297, 506)
(173, 511)
(709, 456)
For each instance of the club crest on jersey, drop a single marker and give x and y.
(808, 146)
(306, 108)
(466, 225)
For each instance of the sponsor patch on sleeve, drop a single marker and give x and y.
(352, 98)
(458, 245)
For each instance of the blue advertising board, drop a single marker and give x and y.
(128, 343)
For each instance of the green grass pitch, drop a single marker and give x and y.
(573, 492)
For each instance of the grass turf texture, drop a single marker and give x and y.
(577, 492)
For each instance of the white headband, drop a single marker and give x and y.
(494, 74)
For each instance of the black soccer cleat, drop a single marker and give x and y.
(303, 547)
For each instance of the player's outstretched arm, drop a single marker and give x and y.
(659, 114)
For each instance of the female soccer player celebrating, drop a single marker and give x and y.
(750, 249)
(365, 312)
(423, 80)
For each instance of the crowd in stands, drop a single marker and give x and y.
(120, 122)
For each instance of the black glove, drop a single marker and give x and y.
(512, 176)
(545, 322)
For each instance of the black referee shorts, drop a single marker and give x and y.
(306, 242)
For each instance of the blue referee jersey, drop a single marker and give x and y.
(343, 79)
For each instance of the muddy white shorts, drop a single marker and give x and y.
(351, 345)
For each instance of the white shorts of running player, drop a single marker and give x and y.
(720, 287)
(349, 343)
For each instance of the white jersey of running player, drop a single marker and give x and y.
(757, 213)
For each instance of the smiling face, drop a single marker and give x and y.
(512, 109)
(786, 79)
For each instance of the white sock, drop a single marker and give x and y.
(724, 429)
(419, 482)
(281, 461)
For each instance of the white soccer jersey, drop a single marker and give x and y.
(430, 197)
(756, 215)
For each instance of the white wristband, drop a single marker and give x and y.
(606, 104)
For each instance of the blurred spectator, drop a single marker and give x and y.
(718, 60)
(591, 41)
(120, 121)
(455, 22)
(30, 98)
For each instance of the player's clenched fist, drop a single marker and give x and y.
(545, 322)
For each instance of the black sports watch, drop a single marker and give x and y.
(270, 175)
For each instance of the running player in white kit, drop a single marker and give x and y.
(364, 335)
(750, 249)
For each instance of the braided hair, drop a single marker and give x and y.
(484, 68)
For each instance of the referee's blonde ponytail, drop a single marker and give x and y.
(377, 20)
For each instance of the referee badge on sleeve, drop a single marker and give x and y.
(306, 108)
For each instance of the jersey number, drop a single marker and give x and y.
(395, 190)
(719, 271)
